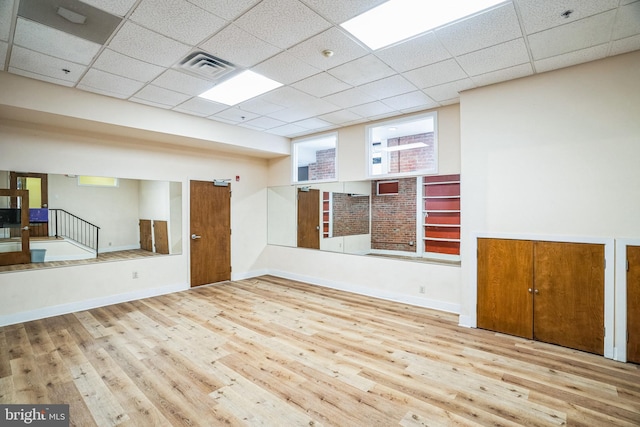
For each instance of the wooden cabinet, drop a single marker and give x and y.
(441, 212)
(633, 304)
(547, 291)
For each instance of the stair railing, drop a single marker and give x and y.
(70, 226)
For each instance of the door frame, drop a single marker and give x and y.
(470, 286)
(23, 256)
(620, 351)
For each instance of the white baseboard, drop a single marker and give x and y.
(466, 321)
(57, 310)
(248, 274)
(375, 293)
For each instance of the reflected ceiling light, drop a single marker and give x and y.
(239, 88)
(404, 147)
(397, 20)
(71, 16)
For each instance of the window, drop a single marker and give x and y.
(97, 181)
(405, 147)
(314, 159)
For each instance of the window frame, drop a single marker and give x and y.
(295, 144)
(393, 123)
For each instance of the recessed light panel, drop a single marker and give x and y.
(397, 20)
(241, 87)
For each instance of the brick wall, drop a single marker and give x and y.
(325, 165)
(412, 159)
(393, 223)
(350, 215)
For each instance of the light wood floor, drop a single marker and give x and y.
(273, 352)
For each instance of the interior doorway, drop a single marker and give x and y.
(38, 187)
(210, 232)
(308, 218)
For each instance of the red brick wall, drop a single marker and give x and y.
(393, 217)
(350, 215)
(325, 165)
(412, 159)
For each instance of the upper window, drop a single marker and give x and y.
(314, 159)
(403, 147)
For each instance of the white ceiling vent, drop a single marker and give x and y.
(207, 66)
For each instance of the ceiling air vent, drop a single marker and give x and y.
(207, 66)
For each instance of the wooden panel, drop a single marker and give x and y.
(569, 295)
(505, 275)
(146, 240)
(309, 219)
(633, 304)
(161, 236)
(19, 234)
(211, 221)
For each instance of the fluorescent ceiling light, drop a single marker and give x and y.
(241, 87)
(404, 147)
(398, 20)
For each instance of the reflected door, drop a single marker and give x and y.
(14, 227)
(37, 185)
(210, 211)
(309, 219)
(633, 304)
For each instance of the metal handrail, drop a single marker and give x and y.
(75, 228)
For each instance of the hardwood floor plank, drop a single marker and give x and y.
(276, 352)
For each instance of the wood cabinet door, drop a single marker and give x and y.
(309, 219)
(569, 295)
(633, 304)
(505, 281)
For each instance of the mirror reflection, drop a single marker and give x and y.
(72, 218)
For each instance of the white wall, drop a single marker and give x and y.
(555, 155)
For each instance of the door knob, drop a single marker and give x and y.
(536, 291)
(529, 290)
(25, 228)
(195, 237)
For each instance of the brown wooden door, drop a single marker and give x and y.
(18, 182)
(505, 278)
(146, 239)
(633, 304)
(210, 230)
(569, 295)
(10, 231)
(161, 236)
(309, 219)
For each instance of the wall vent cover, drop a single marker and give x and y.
(208, 66)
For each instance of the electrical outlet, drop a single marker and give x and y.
(134, 275)
(422, 290)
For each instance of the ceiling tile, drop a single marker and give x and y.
(266, 21)
(449, 91)
(145, 45)
(200, 107)
(625, 45)
(285, 68)
(344, 49)
(234, 115)
(150, 103)
(436, 74)
(414, 53)
(339, 11)
(572, 58)
(122, 65)
(177, 19)
(495, 58)
(387, 87)
(161, 96)
(340, 117)
(36, 76)
(235, 45)
(287, 97)
(52, 42)
(539, 15)
(349, 98)
(372, 109)
(627, 21)
(314, 124)
(490, 28)
(409, 101)
(117, 7)
(41, 64)
(362, 70)
(577, 35)
(6, 15)
(287, 130)
(4, 47)
(314, 107)
(107, 82)
(183, 83)
(227, 9)
(263, 123)
(510, 73)
(321, 85)
(260, 106)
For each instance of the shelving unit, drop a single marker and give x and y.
(327, 226)
(441, 213)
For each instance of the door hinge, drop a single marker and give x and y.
(627, 265)
(230, 268)
(605, 263)
(230, 231)
(627, 336)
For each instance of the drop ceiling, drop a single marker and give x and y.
(134, 50)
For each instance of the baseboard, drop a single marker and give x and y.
(375, 293)
(249, 274)
(57, 310)
(466, 321)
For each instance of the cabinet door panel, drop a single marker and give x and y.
(505, 275)
(633, 304)
(569, 295)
